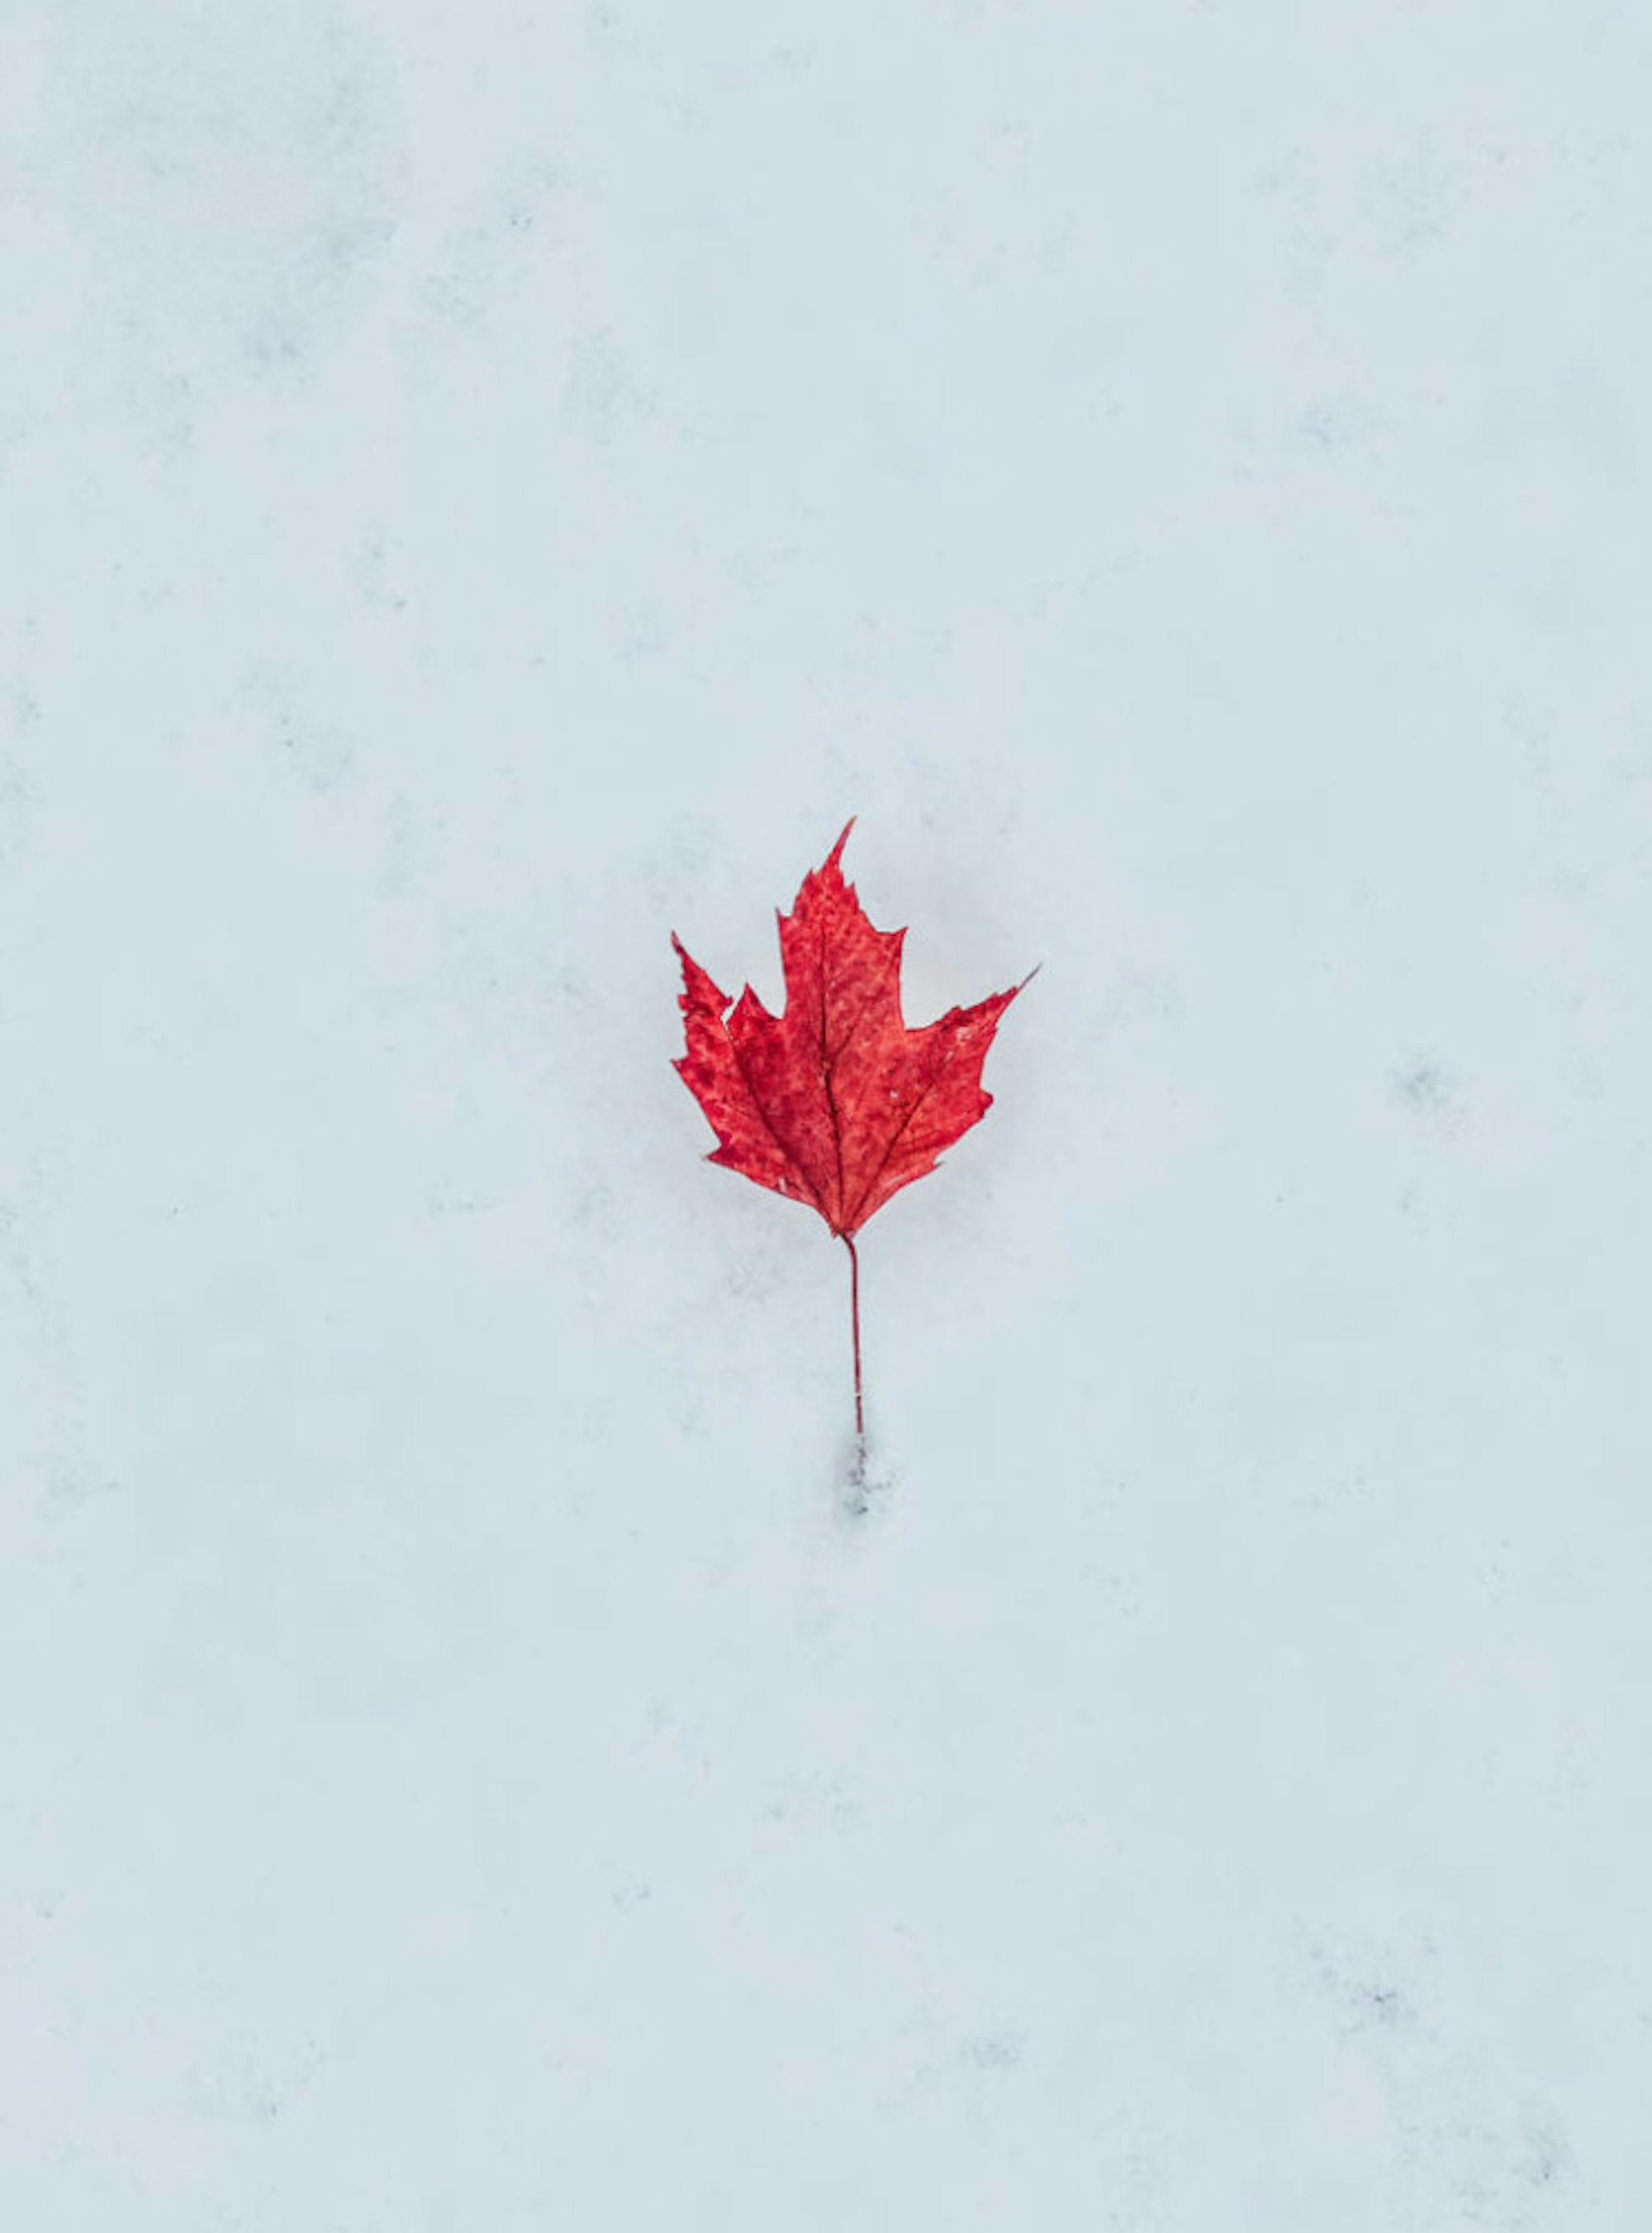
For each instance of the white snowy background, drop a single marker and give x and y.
(482, 487)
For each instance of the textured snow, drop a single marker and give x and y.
(486, 487)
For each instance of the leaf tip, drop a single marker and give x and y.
(836, 853)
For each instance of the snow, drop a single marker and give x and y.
(485, 488)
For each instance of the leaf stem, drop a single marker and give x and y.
(855, 1324)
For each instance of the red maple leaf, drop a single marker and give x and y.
(836, 1102)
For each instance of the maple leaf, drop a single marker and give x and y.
(836, 1102)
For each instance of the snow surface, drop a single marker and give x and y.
(485, 486)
